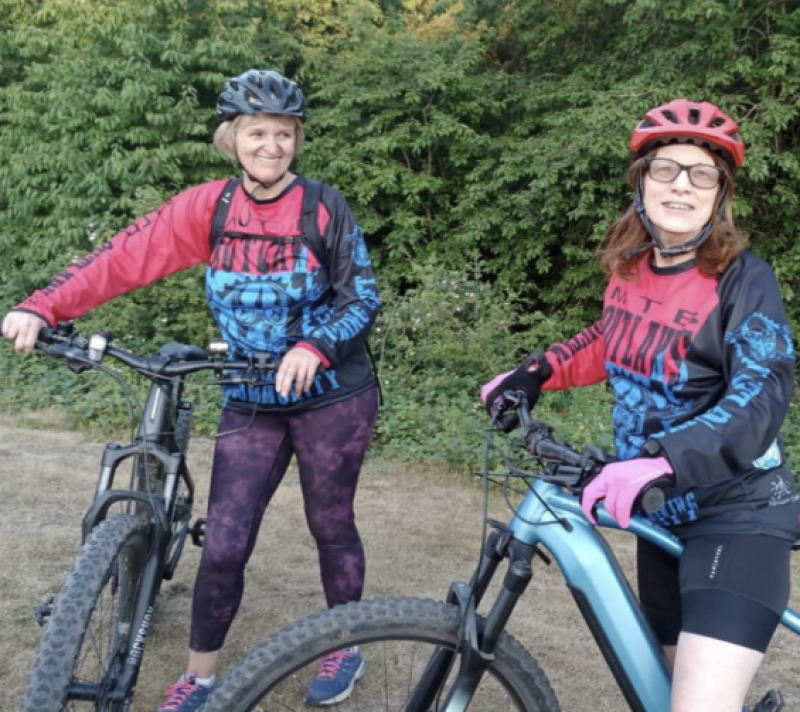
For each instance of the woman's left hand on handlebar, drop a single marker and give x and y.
(23, 329)
(298, 366)
(619, 484)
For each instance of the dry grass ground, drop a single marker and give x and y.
(421, 531)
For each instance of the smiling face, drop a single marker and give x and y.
(677, 209)
(265, 147)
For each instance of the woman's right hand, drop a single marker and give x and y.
(23, 329)
(528, 377)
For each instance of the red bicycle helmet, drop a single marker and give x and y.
(683, 121)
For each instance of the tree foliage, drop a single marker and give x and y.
(487, 139)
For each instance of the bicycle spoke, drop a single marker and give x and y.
(92, 678)
(393, 668)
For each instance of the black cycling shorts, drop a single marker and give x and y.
(729, 587)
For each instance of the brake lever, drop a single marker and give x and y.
(566, 475)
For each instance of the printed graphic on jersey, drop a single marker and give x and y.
(566, 351)
(260, 254)
(322, 313)
(347, 328)
(646, 331)
(78, 264)
(367, 291)
(266, 395)
(253, 311)
(359, 247)
(638, 399)
(770, 459)
(759, 339)
(677, 510)
(781, 492)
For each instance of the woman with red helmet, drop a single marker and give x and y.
(695, 343)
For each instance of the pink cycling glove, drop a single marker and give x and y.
(491, 385)
(620, 483)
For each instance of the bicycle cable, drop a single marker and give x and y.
(516, 472)
(253, 414)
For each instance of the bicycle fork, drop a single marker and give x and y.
(142, 618)
(475, 647)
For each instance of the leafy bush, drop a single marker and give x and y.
(436, 345)
(483, 147)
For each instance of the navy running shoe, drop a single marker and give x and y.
(185, 695)
(337, 676)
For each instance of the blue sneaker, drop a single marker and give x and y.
(337, 676)
(185, 695)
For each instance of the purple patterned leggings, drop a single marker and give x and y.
(329, 443)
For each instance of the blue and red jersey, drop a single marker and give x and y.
(704, 367)
(267, 290)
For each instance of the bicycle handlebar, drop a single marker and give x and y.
(179, 359)
(539, 442)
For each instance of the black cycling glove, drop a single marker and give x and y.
(522, 379)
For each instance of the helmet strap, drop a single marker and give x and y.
(261, 183)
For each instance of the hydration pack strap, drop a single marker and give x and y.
(221, 211)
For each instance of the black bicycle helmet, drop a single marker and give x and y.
(260, 91)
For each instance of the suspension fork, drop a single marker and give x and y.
(476, 647)
(141, 620)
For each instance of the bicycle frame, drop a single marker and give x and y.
(602, 592)
(550, 517)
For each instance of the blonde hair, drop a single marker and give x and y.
(225, 136)
(714, 256)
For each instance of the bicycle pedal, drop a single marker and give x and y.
(43, 611)
(198, 531)
(771, 702)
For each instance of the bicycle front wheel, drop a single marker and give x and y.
(86, 637)
(397, 638)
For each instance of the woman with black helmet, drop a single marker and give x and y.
(270, 290)
(695, 343)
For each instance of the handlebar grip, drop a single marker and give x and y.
(652, 498)
(555, 451)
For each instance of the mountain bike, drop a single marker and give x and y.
(425, 655)
(133, 535)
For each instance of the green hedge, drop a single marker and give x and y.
(482, 146)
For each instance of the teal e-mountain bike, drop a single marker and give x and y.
(425, 655)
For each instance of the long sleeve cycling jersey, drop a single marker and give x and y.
(702, 371)
(265, 287)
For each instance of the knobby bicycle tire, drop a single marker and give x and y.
(396, 637)
(85, 638)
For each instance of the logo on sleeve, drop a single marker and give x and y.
(759, 339)
(780, 492)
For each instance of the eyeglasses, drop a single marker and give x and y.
(701, 175)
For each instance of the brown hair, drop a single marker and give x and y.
(225, 135)
(714, 256)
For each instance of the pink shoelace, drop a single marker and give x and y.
(330, 664)
(177, 694)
